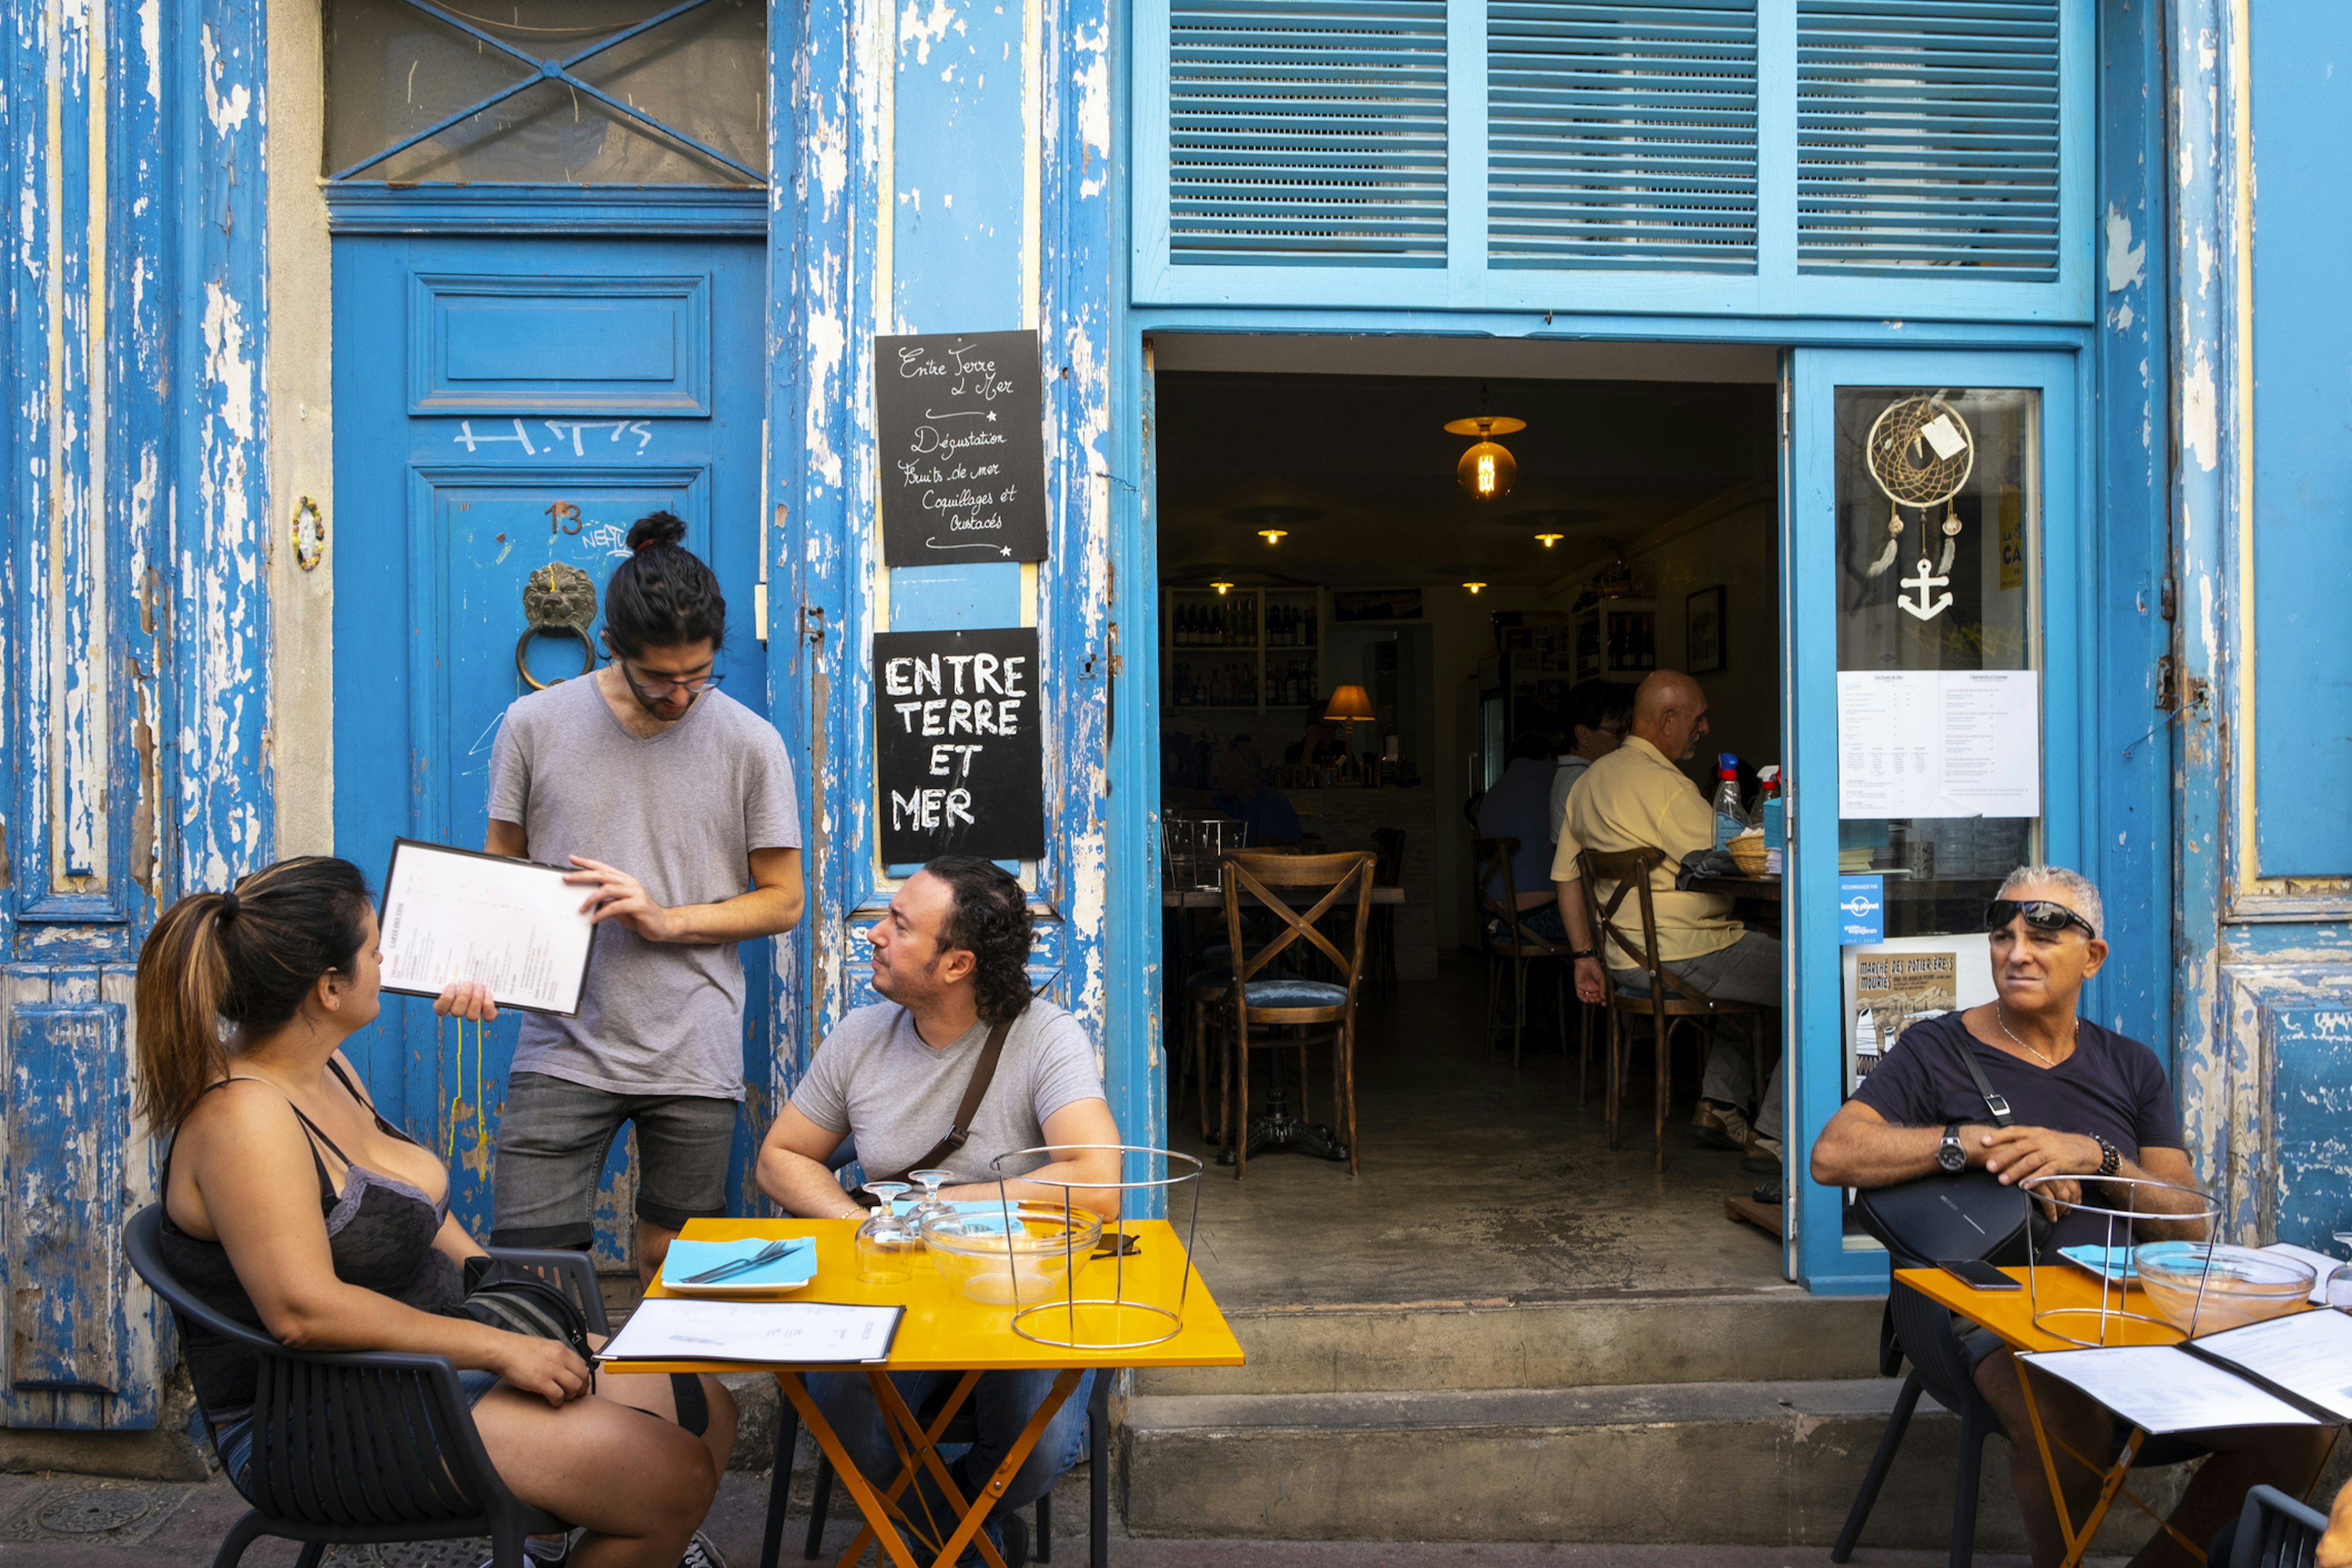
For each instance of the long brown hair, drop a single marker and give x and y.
(250, 956)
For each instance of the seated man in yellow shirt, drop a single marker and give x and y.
(1636, 798)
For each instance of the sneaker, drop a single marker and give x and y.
(1761, 1157)
(701, 1553)
(541, 1551)
(1724, 1126)
(1014, 1546)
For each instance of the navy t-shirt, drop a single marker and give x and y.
(2112, 1085)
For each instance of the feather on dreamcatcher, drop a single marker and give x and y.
(1920, 453)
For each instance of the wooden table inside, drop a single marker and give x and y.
(1214, 897)
(943, 1331)
(1762, 888)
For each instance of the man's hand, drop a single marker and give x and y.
(469, 1000)
(615, 895)
(1589, 988)
(2013, 1153)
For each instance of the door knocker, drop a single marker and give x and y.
(558, 600)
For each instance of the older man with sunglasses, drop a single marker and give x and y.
(2087, 1106)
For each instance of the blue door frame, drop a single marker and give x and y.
(1816, 1251)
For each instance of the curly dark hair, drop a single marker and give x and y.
(990, 920)
(662, 595)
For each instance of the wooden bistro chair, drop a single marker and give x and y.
(1518, 947)
(1671, 999)
(1341, 883)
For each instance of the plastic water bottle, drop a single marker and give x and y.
(1769, 816)
(1731, 816)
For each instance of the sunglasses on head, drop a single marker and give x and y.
(2042, 914)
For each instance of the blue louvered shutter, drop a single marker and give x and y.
(1927, 137)
(1306, 133)
(1621, 135)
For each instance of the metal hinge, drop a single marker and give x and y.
(813, 623)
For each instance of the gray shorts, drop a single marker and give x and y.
(553, 1135)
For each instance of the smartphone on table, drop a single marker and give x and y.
(1978, 1275)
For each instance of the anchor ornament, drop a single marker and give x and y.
(1923, 608)
(1920, 453)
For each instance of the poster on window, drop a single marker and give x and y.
(960, 421)
(958, 760)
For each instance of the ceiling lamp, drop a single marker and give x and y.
(1487, 469)
(1474, 587)
(1551, 539)
(1273, 535)
(1221, 588)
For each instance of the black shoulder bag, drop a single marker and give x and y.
(983, 1073)
(1924, 1221)
(507, 1295)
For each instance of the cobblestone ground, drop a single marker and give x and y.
(75, 1522)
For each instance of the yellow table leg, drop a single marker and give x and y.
(977, 1515)
(845, 1469)
(2050, 1469)
(885, 1396)
(926, 1452)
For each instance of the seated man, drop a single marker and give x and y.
(951, 957)
(1265, 813)
(1519, 806)
(1636, 798)
(2086, 1104)
(1598, 716)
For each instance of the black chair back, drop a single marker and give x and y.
(2275, 1532)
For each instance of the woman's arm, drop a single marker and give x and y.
(250, 1164)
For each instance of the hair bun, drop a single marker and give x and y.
(656, 528)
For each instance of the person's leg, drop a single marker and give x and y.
(2243, 1458)
(713, 1422)
(638, 1487)
(684, 1142)
(2068, 1417)
(553, 1138)
(846, 1402)
(1004, 1403)
(1747, 970)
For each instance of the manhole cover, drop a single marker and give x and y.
(92, 1511)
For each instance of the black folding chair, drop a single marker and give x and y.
(359, 1446)
(2274, 1531)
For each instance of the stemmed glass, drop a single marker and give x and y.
(2339, 1286)
(887, 1245)
(931, 1205)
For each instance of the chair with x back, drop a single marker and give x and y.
(1670, 999)
(1260, 996)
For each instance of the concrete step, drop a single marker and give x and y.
(1710, 1337)
(1751, 1463)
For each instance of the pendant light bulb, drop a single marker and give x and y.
(1551, 539)
(1273, 535)
(1221, 588)
(1474, 587)
(1488, 469)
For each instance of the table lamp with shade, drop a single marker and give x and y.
(1349, 703)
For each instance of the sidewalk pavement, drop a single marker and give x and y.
(77, 1521)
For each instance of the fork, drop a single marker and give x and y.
(766, 1255)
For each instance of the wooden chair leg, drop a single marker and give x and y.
(1346, 1086)
(1493, 980)
(1665, 1078)
(1240, 1058)
(1306, 1111)
(1201, 1061)
(1615, 1087)
(1519, 1006)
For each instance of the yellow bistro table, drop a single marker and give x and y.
(943, 1331)
(2008, 1314)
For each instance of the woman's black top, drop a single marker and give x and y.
(380, 1230)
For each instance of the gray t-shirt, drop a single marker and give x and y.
(681, 812)
(875, 1078)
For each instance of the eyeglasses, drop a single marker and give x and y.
(650, 690)
(2042, 914)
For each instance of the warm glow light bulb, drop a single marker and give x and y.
(1474, 587)
(1273, 535)
(1486, 471)
(1551, 539)
(1221, 588)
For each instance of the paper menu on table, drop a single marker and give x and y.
(514, 925)
(2307, 1354)
(778, 1333)
(1939, 742)
(2161, 1388)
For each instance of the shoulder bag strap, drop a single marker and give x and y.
(983, 1073)
(1995, 1103)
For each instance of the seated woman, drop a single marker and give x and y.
(291, 1204)
(2089, 1107)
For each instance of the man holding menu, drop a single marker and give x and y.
(675, 807)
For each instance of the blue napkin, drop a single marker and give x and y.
(797, 1266)
(2114, 1262)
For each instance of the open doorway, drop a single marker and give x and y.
(1318, 553)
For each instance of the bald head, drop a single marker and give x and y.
(1670, 713)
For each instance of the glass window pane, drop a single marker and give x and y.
(394, 69)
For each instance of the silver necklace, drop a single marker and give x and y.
(2003, 1022)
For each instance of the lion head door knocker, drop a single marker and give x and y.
(558, 600)
(1921, 453)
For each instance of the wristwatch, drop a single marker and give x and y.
(2109, 1156)
(1950, 1156)
(1578, 953)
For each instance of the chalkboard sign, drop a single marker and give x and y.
(960, 419)
(956, 742)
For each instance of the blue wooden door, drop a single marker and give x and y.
(1993, 647)
(499, 405)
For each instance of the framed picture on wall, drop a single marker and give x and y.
(1703, 631)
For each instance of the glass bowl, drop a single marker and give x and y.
(976, 1255)
(2241, 1285)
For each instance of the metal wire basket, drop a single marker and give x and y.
(2121, 1315)
(1122, 1320)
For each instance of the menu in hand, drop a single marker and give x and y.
(515, 926)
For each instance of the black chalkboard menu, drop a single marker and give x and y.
(960, 421)
(958, 758)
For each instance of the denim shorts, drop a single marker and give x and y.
(233, 1440)
(553, 1135)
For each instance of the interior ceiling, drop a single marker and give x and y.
(1360, 470)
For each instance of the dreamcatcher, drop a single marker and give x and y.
(1920, 453)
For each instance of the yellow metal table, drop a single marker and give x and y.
(943, 1331)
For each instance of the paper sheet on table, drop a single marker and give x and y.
(2165, 1390)
(780, 1333)
(513, 925)
(1939, 742)
(2309, 1354)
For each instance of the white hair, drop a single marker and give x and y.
(2082, 894)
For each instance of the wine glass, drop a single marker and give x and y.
(930, 1205)
(887, 1245)
(2339, 1286)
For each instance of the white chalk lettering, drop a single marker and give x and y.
(984, 672)
(907, 712)
(931, 725)
(896, 680)
(1012, 674)
(959, 661)
(959, 717)
(959, 807)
